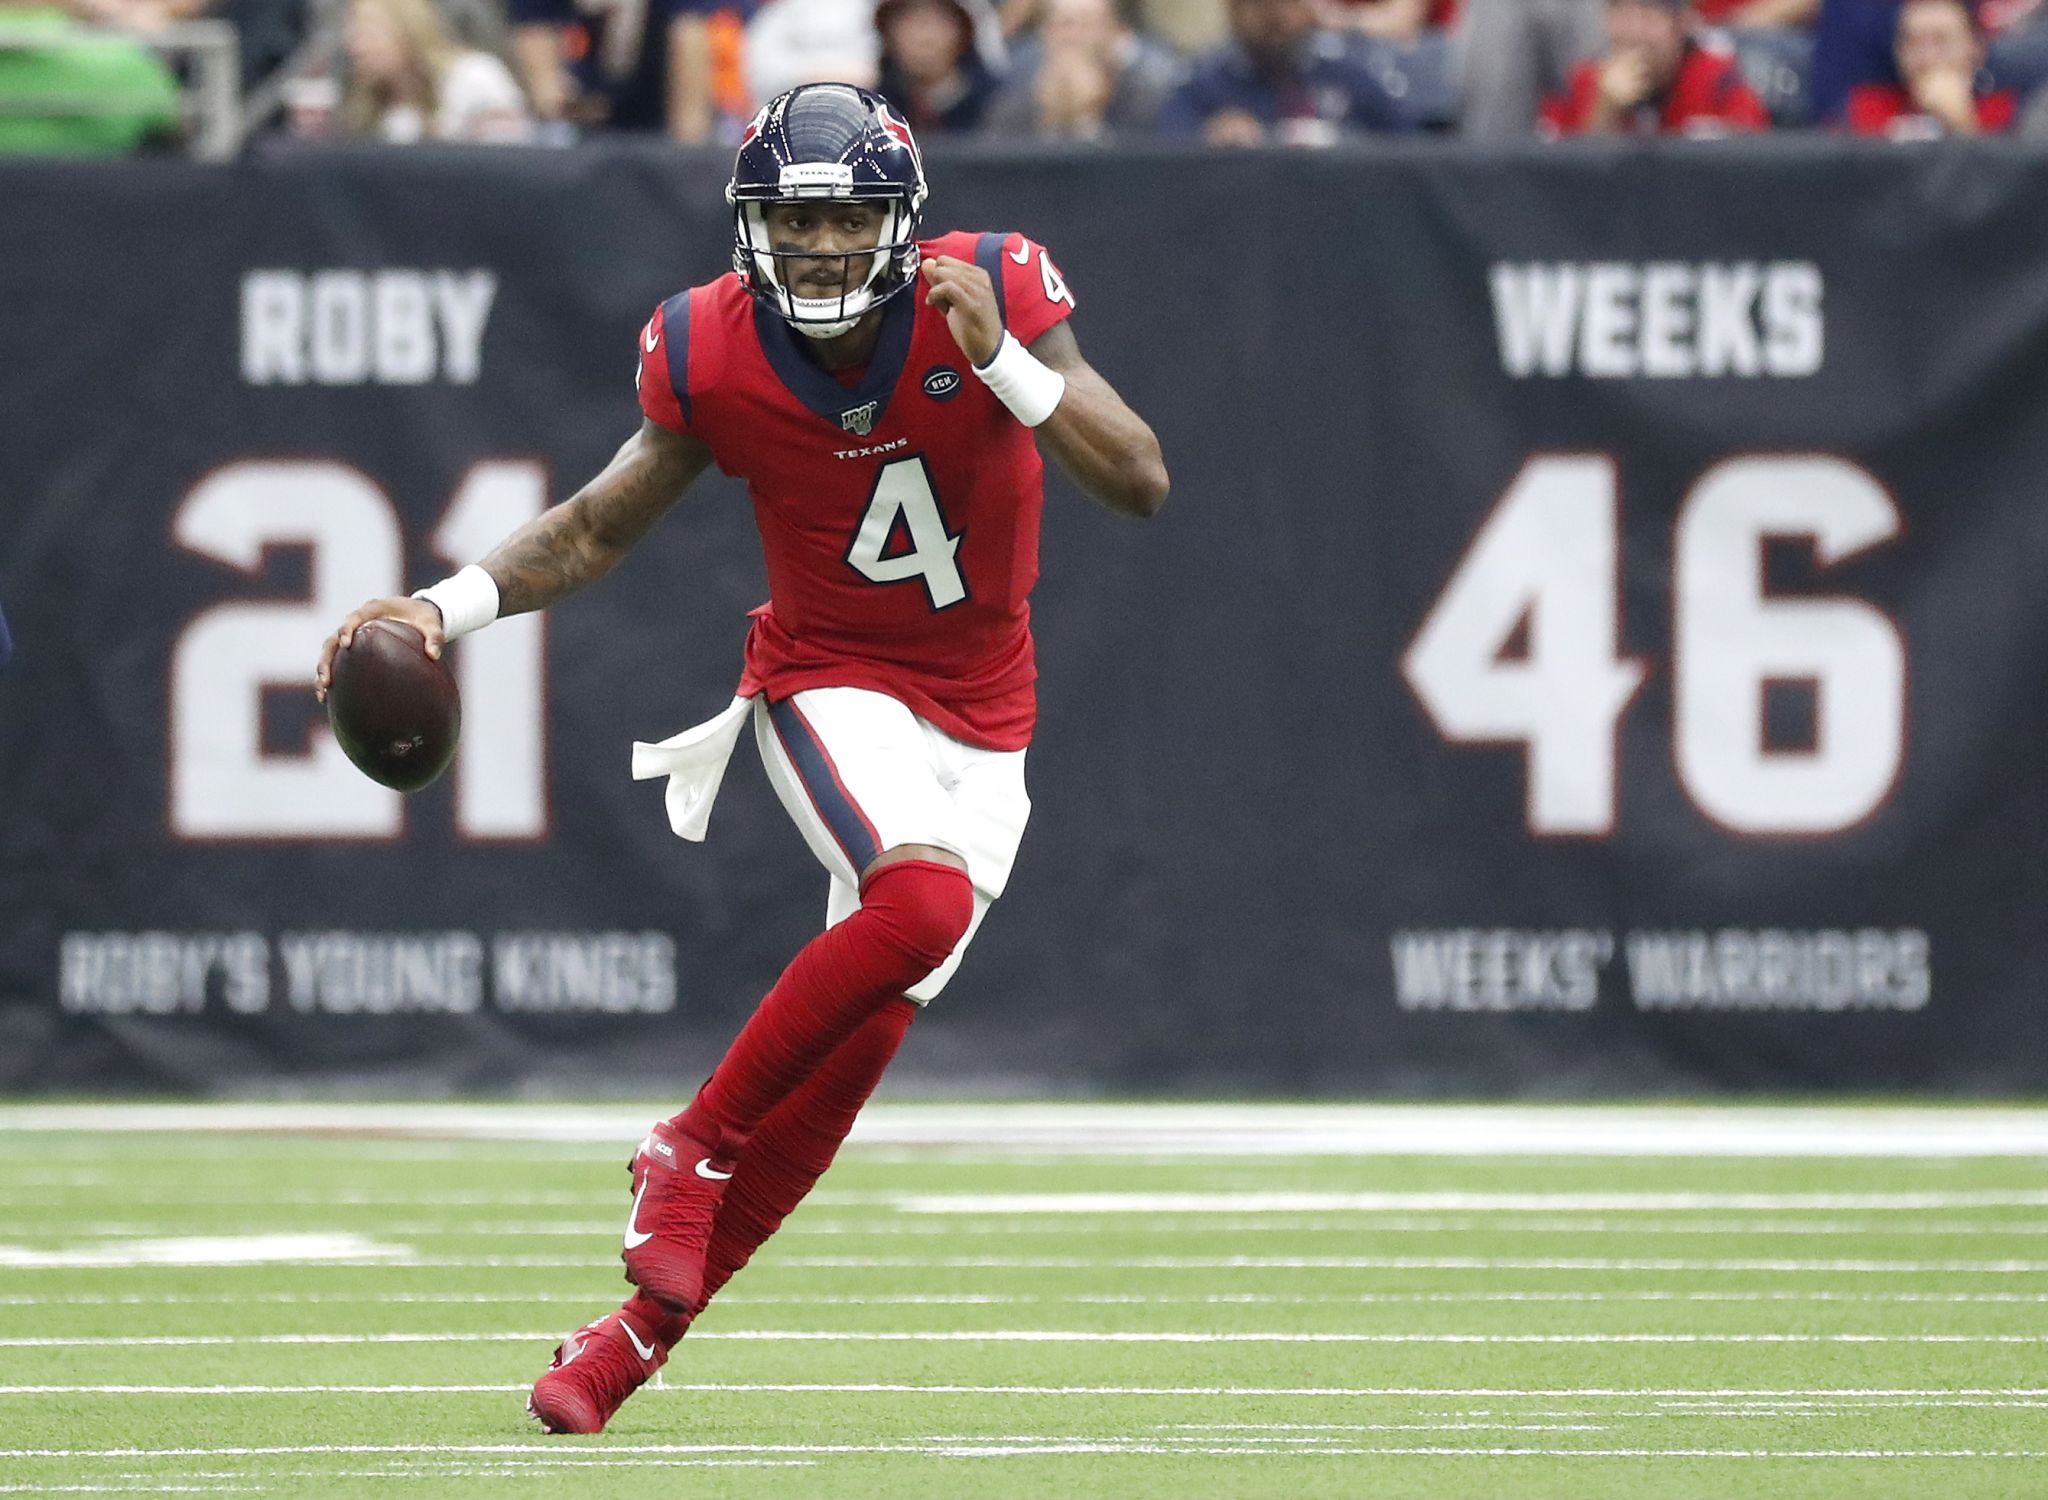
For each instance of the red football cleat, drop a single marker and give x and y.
(593, 1372)
(678, 1183)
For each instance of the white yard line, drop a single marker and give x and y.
(1444, 1202)
(1696, 1406)
(1015, 1299)
(132, 1488)
(266, 1390)
(625, 1452)
(1687, 1265)
(1254, 1434)
(520, 1299)
(1223, 1202)
(1176, 1129)
(1223, 1263)
(1024, 1336)
(1933, 1396)
(1406, 1263)
(1137, 1223)
(56, 1262)
(417, 1469)
(143, 1197)
(1349, 1299)
(252, 1249)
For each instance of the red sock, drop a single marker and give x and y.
(911, 916)
(797, 1143)
(787, 1155)
(656, 1318)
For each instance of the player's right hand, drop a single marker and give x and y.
(418, 613)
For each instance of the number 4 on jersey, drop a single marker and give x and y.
(903, 491)
(1048, 274)
(1055, 284)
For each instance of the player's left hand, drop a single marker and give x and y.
(963, 292)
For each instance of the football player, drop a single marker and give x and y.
(887, 400)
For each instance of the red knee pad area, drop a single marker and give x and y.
(919, 907)
(912, 915)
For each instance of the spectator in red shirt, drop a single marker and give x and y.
(1656, 78)
(1940, 53)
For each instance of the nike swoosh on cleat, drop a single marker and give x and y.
(645, 1351)
(635, 1236)
(705, 1169)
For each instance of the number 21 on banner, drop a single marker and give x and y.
(223, 782)
(1546, 564)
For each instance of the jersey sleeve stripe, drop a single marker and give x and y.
(849, 825)
(675, 329)
(988, 254)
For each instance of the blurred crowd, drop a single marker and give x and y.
(1226, 72)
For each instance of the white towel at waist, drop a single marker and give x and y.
(694, 763)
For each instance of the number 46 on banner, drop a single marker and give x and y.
(1547, 563)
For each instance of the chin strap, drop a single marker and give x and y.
(832, 330)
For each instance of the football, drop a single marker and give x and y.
(393, 708)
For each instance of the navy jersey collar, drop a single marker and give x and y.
(813, 385)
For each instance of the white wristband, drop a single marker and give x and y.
(468, 601)
(1022, 382)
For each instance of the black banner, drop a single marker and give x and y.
(1594, 643)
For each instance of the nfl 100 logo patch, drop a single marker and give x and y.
(860, 420)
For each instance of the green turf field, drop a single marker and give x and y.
(964, 1318)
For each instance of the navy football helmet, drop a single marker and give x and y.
(826, 141)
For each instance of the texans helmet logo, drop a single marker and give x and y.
(901, 132)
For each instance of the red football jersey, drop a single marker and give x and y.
(1886, 109)
(898, 505)
(1708, 94)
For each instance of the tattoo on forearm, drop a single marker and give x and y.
(583, 538)
(539, 563)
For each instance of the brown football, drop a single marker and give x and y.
(394, 709)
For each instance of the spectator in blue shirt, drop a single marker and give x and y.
(1283, 77)
(619, 64)
(1852, 45)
